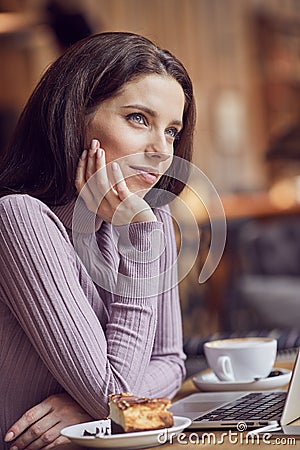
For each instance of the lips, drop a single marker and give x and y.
(148, 174)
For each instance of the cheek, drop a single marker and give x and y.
(117, 146)
(114, 149)
(111, 141)
(136, 187)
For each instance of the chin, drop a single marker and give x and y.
(139, 189)
(141, 192)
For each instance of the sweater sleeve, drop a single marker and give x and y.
(40, 281)
(166, 370)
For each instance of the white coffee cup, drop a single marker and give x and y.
(241, 359)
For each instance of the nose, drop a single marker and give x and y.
(158, 147)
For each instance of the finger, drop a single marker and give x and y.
(97, 186)
(28, 419)
(81, 170)
(120, 183)
(101, 178)
(41, 434)
(100, 159)
(58, 441)
(100, 182)
(81, 184)
(91, 160)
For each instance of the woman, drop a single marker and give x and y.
(100, 131)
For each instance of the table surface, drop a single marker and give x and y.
(212, 439)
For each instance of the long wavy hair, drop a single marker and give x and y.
(43, 154)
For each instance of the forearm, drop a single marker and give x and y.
(166, 370)
(52, 297)
(129, 288)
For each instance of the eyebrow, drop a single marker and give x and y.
(151, 112)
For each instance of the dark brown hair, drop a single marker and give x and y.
(42, 157)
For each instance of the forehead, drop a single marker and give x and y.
(161, 92)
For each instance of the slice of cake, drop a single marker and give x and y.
(133, 413)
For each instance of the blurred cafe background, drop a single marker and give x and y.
(244, 59)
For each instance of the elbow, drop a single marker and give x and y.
(179, 375)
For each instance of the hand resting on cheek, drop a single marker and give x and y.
(114, 204)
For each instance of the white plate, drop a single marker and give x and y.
(207, 381)
(138, 440)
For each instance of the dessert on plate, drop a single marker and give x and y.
(134, 413)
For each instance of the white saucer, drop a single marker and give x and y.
(207, 381)
(138, 440)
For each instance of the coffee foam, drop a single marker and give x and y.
(239, 343)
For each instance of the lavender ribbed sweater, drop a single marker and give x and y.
(59, 331)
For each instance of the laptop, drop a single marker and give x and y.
(252, 408)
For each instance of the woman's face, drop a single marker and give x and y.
(138, 128)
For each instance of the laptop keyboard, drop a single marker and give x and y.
(253, 406)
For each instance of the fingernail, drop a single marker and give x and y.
(95, 144)
(99, 153)
(84, 154)
(9, 436)
(14, 448)
(115, 166)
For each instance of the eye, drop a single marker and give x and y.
(137, 118)
(172, 132)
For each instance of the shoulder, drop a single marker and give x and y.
(22, 205)
(12, 201)
(22, 210)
